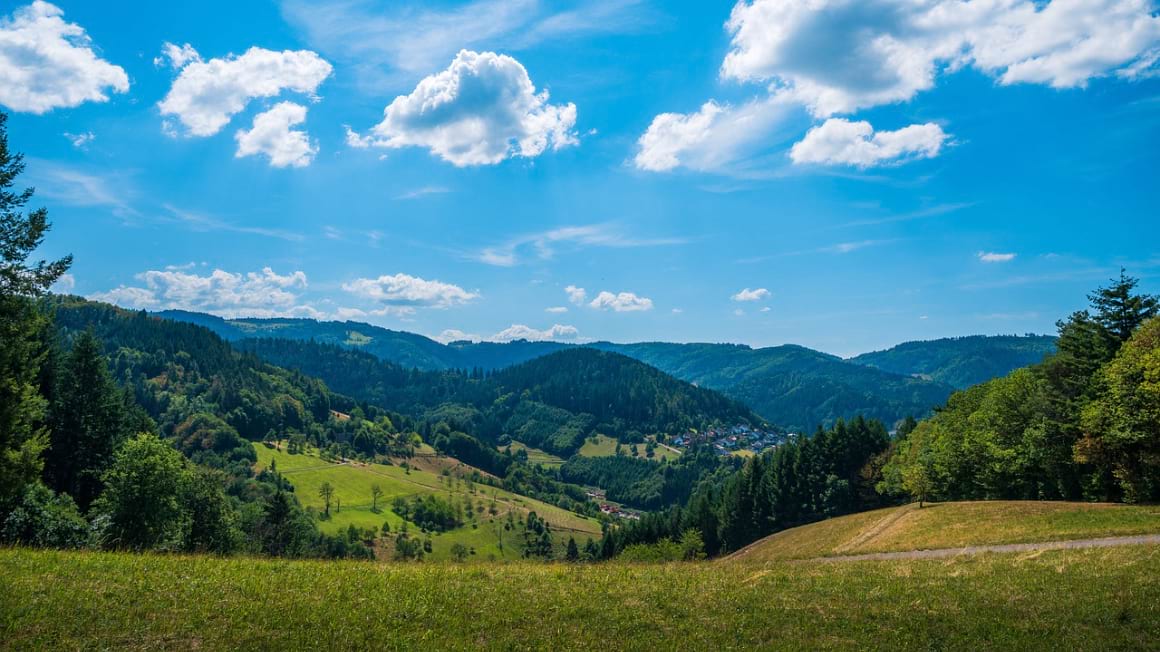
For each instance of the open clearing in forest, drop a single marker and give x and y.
(352, 483)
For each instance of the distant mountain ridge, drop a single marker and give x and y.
(789, 385)
(961, 361)
(552, 402)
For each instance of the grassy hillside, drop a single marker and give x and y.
(603, 446)
(535, 455)
(352, 486)
(953, 525)
(961, 361)
(1080, 599)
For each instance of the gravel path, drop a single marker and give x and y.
(1009, 547)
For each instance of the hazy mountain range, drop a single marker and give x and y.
(792, 386)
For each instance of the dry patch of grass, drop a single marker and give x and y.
(954, 525)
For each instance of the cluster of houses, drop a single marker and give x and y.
(618, 512)
(733, 439)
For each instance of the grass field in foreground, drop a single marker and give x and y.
(953, 525)
(352, 486)
(1103, 599)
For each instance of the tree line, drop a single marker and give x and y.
(1084, 424)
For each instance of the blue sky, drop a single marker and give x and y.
(845, 178)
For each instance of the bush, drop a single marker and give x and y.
(42, 518)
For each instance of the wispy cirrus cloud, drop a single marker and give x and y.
(388, 42)
(424, 191)
(76, 186)
(200, 222)
(995, 257)
(836, 248)
(543, 245)
(920, 214)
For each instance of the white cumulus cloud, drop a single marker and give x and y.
(207, 94)
(713, 137)
(272, 135)
(455, 335)
(253, 294)
(556, 309)
(672, 134)
(47, 63)
(176, 56)
(402, 293)
(479, 111)
(751, 295)
(841, 142)
(576, 295)
(831, 57)
(837, 56)
(621, 302)
(995, 257)
(556, 332)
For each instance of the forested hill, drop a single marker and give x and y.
(552, 402)
(182, 373)
(789, 385)
(961, 361)
(617, 389)
(793, 386)
(400, 347)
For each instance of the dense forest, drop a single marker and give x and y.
(1082, 424)
(961, 361)
(791, 386)
(552, 402)
(829, 473)
(645, 484)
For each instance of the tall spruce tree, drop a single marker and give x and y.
(87, 422)
(1119, 309)
(23, 436)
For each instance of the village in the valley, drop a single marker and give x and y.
(727, 440)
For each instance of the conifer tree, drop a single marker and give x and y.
(87, 422)
(23, 436)
(1119, 309)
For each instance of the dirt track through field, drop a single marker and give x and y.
(940, 553)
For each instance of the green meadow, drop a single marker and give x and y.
(605, 446)
(535, 455)
(353, 504)
(1107, 599)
